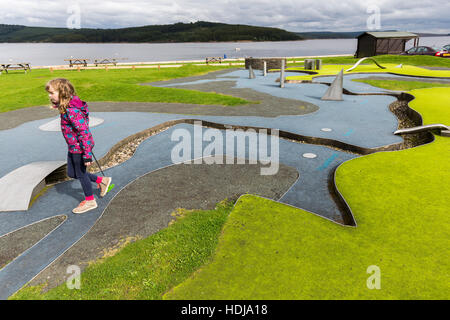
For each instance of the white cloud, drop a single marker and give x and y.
(301, 15)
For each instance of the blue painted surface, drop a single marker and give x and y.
(368, 116)
(328, 161)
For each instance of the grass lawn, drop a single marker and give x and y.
(21, 90)
(273, 251)
(147, 268)
(400, 201)
(401, 85)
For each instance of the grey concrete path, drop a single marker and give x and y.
(154, 197)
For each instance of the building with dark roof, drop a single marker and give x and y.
(375, 43)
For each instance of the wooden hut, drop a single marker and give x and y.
(375, 43)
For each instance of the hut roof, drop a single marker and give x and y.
(390, 34)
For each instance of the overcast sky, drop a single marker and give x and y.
(292, 15)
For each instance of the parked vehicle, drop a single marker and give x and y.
(422, 50)
(429, 51)
(444, 52)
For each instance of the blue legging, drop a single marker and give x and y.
(77, 169)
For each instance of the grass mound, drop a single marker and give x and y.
(401, 85)
(400, 201)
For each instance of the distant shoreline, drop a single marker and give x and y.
(200, 42)
(197, 42)
(154, 64)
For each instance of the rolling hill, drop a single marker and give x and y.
(200, 31)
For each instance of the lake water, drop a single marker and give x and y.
(45, 54)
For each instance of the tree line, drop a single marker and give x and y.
(200, 31)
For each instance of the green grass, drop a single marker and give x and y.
(401, 85)
(147, 268)
(433, 104)
(21, 90)
(400, 201)
(273, 251)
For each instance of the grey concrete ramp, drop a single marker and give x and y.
(16, 188)
(55, 125)
(336, 88)
(251, 74)
(438, 126)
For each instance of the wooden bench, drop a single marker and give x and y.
(105, 61)
(15, 66)
(74, 61)
(213, 59)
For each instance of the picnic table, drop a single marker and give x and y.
(105, 61)
(15, 66)
(76, 61)
(213, 59)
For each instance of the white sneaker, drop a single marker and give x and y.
(104, 185)
(85, 206)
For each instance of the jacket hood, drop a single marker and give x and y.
(77, 103)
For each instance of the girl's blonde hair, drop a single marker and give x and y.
(66, 91)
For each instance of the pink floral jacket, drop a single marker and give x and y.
(75, 129)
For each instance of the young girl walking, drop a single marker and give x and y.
(74, 115)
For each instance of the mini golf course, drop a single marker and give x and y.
(347, 194)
